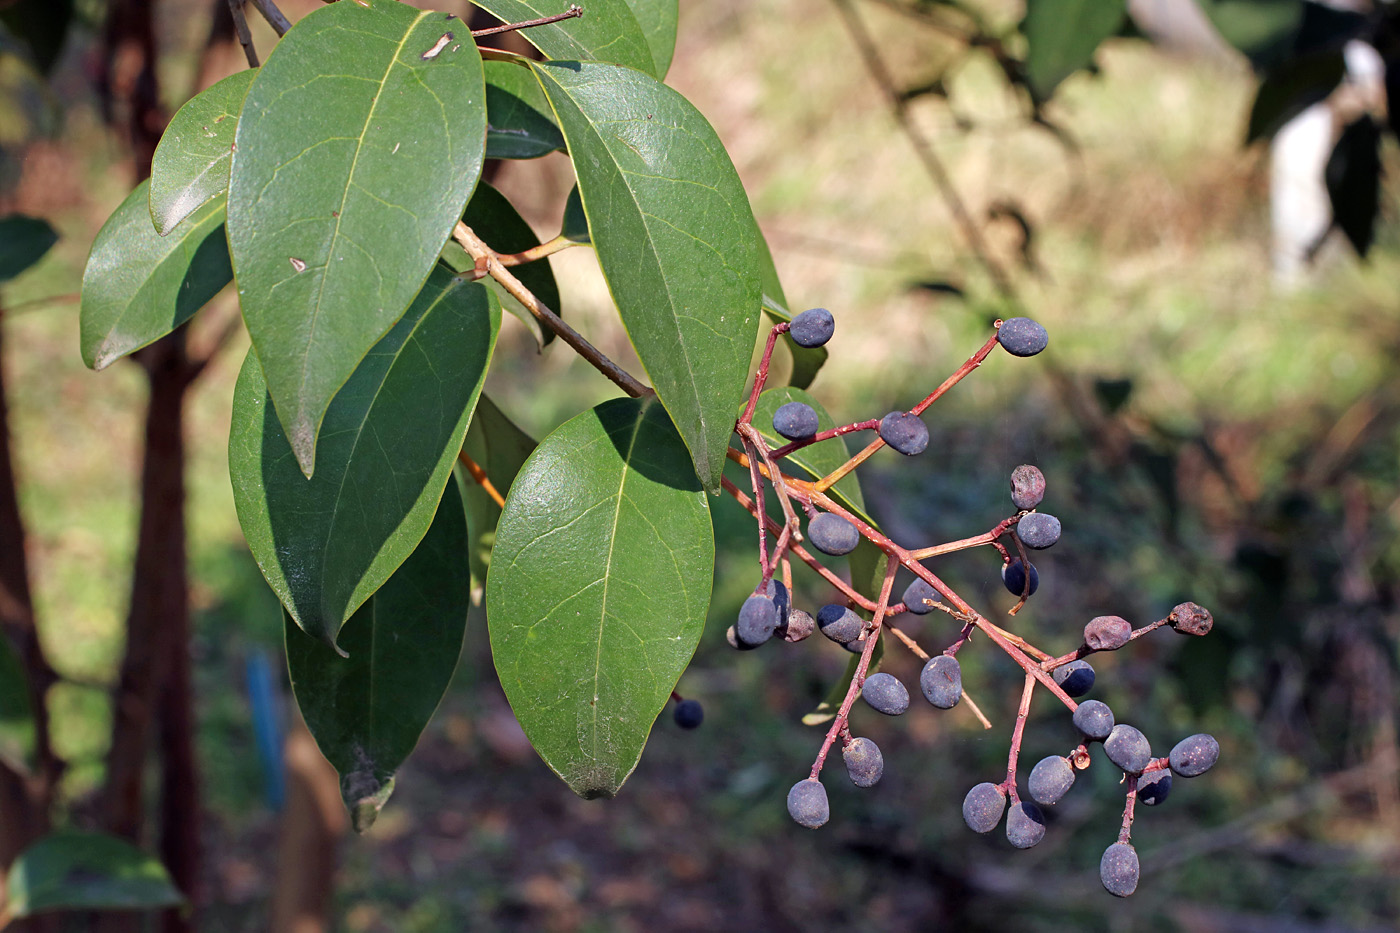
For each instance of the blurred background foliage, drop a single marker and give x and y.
(1205, 437)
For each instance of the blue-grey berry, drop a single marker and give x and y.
(807, 804)
(1195, 755)
(1118, 869)
(1020, 336)
(1076, 678)
(1128, 748)
(758, 619)
(885, 693)
(864, 762)
(1154, 786)
(1094, 719)
(983, 806)
(905, 432)
(689, 714)
(812, 327)
(832, 534)
(1038, 530)
(1025, 825)
(941, 681)
(839, 623)
(795, 421)
(1051, 779)
(919, 597)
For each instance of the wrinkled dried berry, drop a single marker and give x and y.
(1027, 486)
(1107, 633)
(1190, 619)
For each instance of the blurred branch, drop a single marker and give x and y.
(279, 23)
(933, 165)
(245, 37)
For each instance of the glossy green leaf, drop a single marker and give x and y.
(815, 460)
(1062, 36)
(675, 238)
(390, 439)
(23, 242)
(575, 225)
(806, 361)
(826, 710)
(658, 20)
(607, 32)
(86, 871)
(500, 448)
(517, 121)
(139, 286)
(366, 711)
(190, 166)
(16, 713)
(496, 221)
(360, 141)
(598, 589)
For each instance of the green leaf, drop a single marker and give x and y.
(599, 585)
(1062, 36)
(806, 361)
(1264, 30)
(826, 710)
(190, 166)
(391, 436)
(496, 221)
(500, 448)
(607, 32)
(1292, 87)
(658, 20)
(86, 871)
(675, 238)
(575, 225)
(517, 121)
(23, 242)
(360, 141)
(139, 286)
(815, 460)
(16, 714)
(367, 711)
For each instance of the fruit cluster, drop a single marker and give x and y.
(833, 527)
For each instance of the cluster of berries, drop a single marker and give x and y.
(834, 529)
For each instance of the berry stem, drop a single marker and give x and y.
(963, 544)
(1015, 752)
(827, 435)
(482, 480)
(760, 378)
(549, 248)
(1129, 805)
(843, 715)
(1025, 587)
(570, 13)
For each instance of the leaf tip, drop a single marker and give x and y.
(365, 795)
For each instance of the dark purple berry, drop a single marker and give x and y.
(1027, 486)
(1118, 869)
(807, 804)
(1094, 720)
(832, 534)
(1025, 825)
(885, 693)
(1020, 336)
(758, 619)
(1076, 678)
(800, 624)
(1128, 748)
(1038, 530)
(1014, 576)
(864, 762)
(1051, 779)
(795, 421)
(905, 432)
(1154, 786)
(919, 597)
(1107, 633)
(812, 327)
(941, 681)
(1190, 619)
(982, 807)
(855, 647)
(1195, 755)
(782, 600)
(839, 624)
(689, 714)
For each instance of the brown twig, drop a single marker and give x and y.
(1015, 752)
(487, 259)
(245, 37)
(279, 23)
(482, 480)
(573, 11)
